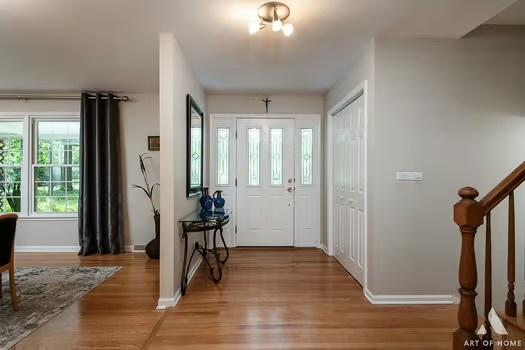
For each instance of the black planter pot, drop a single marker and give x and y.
(153, 247)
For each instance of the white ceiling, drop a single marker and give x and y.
(513, 15)
(447, 18)
(69, 45)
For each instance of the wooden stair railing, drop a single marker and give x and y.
(469, 214)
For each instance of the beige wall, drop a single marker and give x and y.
(176, 80)
(139, 119)
(455, 110)
(252, 104)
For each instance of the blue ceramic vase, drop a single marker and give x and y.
(218, 200)
(206, 201)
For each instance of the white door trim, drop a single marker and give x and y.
(360, 89)
(233, 117)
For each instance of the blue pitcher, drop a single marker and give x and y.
(206, 201)
(218, 200)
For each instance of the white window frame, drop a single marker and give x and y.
(29, 144)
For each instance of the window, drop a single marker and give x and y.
(306, 156)
(11, 157)
(39, 165)
(223, 156)
(56, 172)
(276, 140)
(254, 139)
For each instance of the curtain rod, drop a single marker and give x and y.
(25, 97)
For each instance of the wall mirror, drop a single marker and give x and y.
(194, 148)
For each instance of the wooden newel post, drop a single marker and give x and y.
(468, 214)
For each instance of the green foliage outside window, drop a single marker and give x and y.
(10, 174)
(57, 174)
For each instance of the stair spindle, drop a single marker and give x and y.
(488, 279)
(510, 303)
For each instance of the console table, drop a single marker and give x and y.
(204, 221)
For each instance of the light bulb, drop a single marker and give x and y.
(288, 29)
(253, 27)
(277, 25)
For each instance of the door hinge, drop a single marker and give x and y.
(236, 134)
(235, 229)
(235, 182)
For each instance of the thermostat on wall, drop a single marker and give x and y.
(409, 176)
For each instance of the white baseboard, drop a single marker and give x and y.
(46, 249)
(426, 299)
(324, 248)
(57, 249)
(165, 303)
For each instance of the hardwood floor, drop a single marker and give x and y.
(118, 314)
(268, 299)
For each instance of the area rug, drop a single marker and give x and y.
(43, 292)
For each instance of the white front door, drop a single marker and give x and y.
(265, 175)
(349, 187)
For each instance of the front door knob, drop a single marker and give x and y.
(290, 189)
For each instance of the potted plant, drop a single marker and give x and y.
(153, 247)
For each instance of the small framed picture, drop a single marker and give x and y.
(153, 143)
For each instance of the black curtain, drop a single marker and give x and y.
(100, 213)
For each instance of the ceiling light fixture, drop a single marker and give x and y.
(272, 14)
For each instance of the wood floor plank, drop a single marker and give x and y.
(295, 299)
(268, 299)
(118, 314)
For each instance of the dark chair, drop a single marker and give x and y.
(7, 253)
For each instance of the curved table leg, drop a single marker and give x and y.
(225, 247)
(217, 258)
(184, 276)
(204, 250)
(204, 254)
(224, 244)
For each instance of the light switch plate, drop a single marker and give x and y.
(409, 176)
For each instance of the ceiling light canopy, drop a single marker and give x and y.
(272, 14)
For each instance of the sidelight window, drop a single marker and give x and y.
(223, 156)
(254, 140)
(306, 156)
(276, 141)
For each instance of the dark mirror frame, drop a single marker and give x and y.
(191, 104)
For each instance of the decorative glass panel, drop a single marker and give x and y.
(223, 156)
(306, 156)
(276, 140)
(11, 154)
(56, 169)
(254, 139)
(195, 171)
